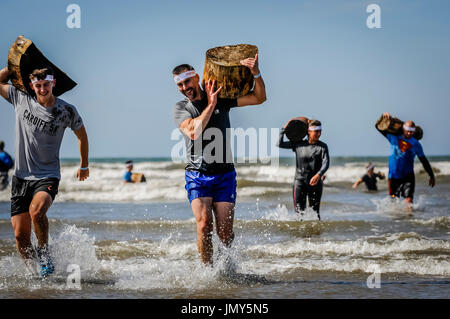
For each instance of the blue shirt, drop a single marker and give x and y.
(403, 152)
(5, 162)
(127, 176)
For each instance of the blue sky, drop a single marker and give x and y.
(318, 59)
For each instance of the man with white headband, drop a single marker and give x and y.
(370, 178)
(210, 178)
(312, 161)
(41, 120)
(404, 148)
(127, 175)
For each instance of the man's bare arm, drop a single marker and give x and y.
(258, 95)
(4, 86)
(356, 184)
(193, 128)
(83, 144)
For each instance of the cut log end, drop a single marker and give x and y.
(223, 65)
(231, 55)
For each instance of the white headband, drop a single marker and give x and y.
(183, 76)
(130, 164)
(315, 128)
(370, 167)
(47, 78)
(409, 128)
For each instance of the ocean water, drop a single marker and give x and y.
(139, 240)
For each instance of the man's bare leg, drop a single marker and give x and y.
(21, 224)
(38, 208)
(202, 209)
(408, 203)
(224, 213)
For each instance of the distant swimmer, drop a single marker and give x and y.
(312, 161)
(370, 178)
(41, 120)
(210, 178)
(404, 148)
(6, 163)
(128, 173)
(130, 177)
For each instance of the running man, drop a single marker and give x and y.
(40, 123)
(370, 178)
(312, 161)
(6, 163)
(210, 178)
(401, 162)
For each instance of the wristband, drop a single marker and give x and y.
(257, 75)
(84, 168)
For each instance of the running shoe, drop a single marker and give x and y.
(46, 263)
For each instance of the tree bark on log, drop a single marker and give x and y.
(23, 58)
(222, 64)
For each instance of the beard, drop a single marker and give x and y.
(191, 94)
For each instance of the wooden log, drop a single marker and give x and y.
(296, 129)
(222, 64)
(24, 57)
(394, 126)
(138, 178)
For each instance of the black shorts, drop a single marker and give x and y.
(403, 187)
(23, 191)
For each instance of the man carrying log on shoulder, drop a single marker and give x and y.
(210, 178)
(404, 148)
(40, 124)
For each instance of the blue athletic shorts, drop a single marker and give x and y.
(221, 187)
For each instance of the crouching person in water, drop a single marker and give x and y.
(312, 162)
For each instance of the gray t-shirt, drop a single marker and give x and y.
(202, 155)
(39, 133)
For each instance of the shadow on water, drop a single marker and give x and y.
(252, 279)
(83, 281)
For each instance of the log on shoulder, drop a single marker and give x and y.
(223, 65)
(394, 126)
(24, 57)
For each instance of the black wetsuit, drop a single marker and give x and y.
(371, 181)
(311, 159)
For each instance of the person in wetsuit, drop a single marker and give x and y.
(370, 178)
(404, 149)
(312, 161)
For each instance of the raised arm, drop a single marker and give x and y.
(385, 115)
(380, 175)
(281, 143)
(194, 127)
(258, 95)
(83, 144)
(4, 86)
